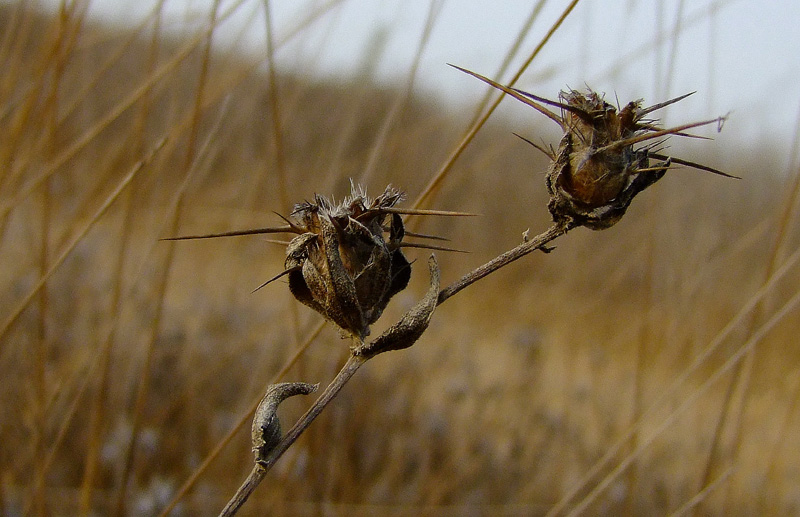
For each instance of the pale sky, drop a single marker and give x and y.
(741, 56)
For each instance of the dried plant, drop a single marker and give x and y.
(346, 261)
(341, 263)
(596, 171)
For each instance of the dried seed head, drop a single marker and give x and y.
(342, 266)
(591, 180)
(597, 170)
(346, 261)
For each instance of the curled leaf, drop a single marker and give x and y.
(266, 431)
(411, 326)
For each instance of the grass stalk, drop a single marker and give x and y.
(54, 265)
(739, 319)
(701, 496)
(191, 161)
(733, 408)
(735, 359)
(509, 57)
(97, 128)
(435, 183)
(403, 96)
(98, 403)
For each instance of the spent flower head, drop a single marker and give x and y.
(598, 168)
(346, 260)
(342, 265)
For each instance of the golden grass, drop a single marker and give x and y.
(592, 378)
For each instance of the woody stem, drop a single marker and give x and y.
(538, 242)
(355, 361)
(261, 468)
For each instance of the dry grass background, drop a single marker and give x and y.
(595, 376)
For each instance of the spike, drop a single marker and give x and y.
(416, 211)
(586, 117)
(520, 96)
(288, 221)
(429, 247)
(276, 241)
(693, 165)
(424, 236)
(651, 127)
(255, 231)
(656, 134)
(282, 273)
(664, 104)
(543, 150)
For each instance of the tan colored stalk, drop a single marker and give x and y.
(668, 392)
(725, 369)
(740, 380)
(402, 97)
(97, 414)
(435, 183)
(190, 164)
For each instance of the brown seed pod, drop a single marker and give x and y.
(343, 267)
(591, 180)
(346, 261)
(597, 170)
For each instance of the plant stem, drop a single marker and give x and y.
(354, 362)
(538, 242)
(261, 468)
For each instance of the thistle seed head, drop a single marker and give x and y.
(597, 170)
(592, 179)
(342, 265)
(345, 260)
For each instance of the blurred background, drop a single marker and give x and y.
(647, 369)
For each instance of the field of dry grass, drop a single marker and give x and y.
(647, 369)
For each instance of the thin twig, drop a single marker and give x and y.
(261, 468)
(538, 242)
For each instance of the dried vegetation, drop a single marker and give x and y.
(645, 369)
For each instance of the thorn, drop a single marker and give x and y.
(428, 247)
(517, 94)
(566, 107)
(693, 165)
(296, 228)
(651, 127)
(415, 211)
(664, 104)
(543, 150)
(282, 273)
(276, 241)
(656, 134)
(255, 231)
(651, 169)
(424, 236)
